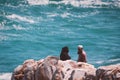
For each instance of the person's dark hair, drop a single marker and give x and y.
(64, 54)
(65, 49)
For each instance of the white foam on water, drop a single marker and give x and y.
(117, 3)
(68, 14)
(17, 17)
(113, 60)
(3, 38)
(38, 2)
(14, 26)
(107, 61)
(86, 3)
(5, 76)
(77, 3)
(99, 62)
(64, 15)
(87, 14)
(52, 14)
(18, 27)
(81, 15)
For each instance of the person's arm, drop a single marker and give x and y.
(84, 57)
(67, 56)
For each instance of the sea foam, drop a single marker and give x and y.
(77, 3)
(38, 2)
(108, 61)
(20, 18)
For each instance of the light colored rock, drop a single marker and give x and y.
(46, 69)
(25, 71)
(71, 70)
(111, 72)
(51, 68)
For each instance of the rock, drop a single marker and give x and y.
(71, 70)
(25, 71)
(46, 69)
(111, 72)
(51, 68)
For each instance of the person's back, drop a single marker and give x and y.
(64, 54)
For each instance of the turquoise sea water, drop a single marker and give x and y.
(38, 28)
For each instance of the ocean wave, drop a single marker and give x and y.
(5, 76)
(9, 36)
(86, 14)
(18, 27)
(38, 2)
(108, 61)
(63, 15)
(78, 3)
(99, 62)
(69, 15)
(113, 60)
(3, 38)
(17, 17)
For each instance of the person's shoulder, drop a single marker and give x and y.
(84, 52)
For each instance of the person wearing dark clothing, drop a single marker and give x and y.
(64, 54)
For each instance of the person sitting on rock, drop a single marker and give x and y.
(64, 54)
(81, 54)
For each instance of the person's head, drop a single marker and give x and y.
(65, 49)
(64, 54)
(80, 47)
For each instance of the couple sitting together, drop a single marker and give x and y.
(81, 54)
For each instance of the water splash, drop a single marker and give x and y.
(78, 3)
(20, 18)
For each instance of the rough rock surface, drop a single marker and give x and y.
(51, 68)
(111, 72)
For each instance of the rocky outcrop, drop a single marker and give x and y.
(51, 68)
(71, 70)
(111, 72)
